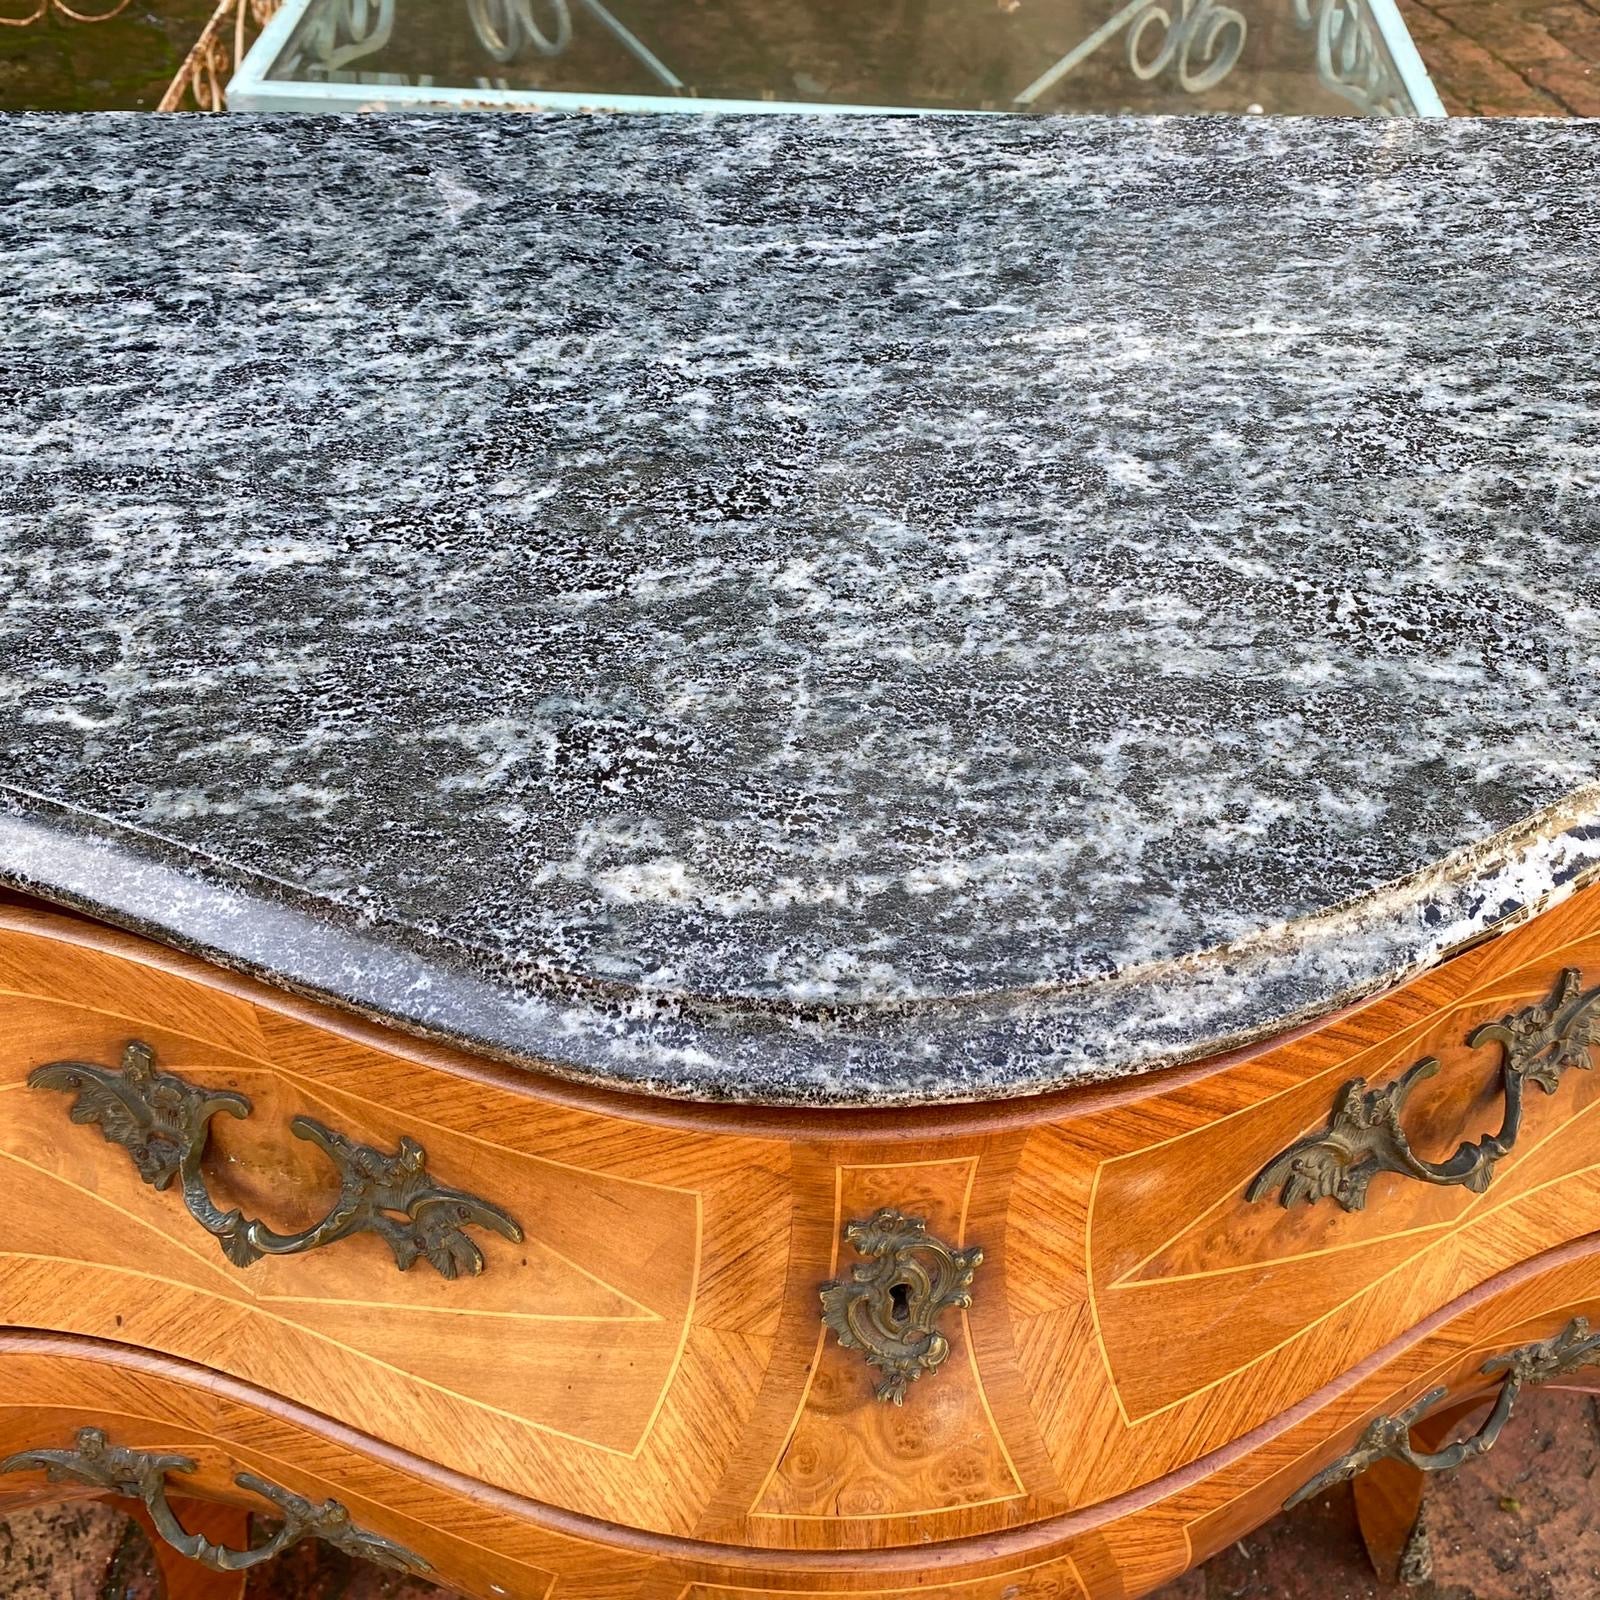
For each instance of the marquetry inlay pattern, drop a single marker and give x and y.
(652, 1353)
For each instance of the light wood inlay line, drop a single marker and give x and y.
(186, 1244)
(1094, 1299)
(329, 1096)
(353, 1351)
(646, 1313)
(134, 1023)
(972, 1354)
(244, 1290)
(1474, 1207)
(1364, 1292)
(683, 1331)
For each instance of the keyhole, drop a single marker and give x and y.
(900, 1303)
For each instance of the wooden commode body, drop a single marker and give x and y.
(639, 1396)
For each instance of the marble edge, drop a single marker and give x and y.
(964, 1049)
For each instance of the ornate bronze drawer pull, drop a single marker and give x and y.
(163, 1122)
(1364, 1136)
(888, 1308)
(1390, 1437)
(141, 1475)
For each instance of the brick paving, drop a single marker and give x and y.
(1510, 58)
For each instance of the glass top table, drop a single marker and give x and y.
(1301, 57)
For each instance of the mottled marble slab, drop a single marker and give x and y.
(803, 610)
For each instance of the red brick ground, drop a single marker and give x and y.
(1522, 1523)
(1510, 58)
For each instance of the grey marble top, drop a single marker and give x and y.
(822, 611)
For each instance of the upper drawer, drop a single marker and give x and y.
(1255, 1235)
(651, 1350)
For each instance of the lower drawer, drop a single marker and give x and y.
(489, 1544)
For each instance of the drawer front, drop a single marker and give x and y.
(573, 1367)
(1104, 1302)
(489, 1545)
(1257, 1236)
(52, 1390)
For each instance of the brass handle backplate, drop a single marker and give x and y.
(1389, 1438)
(889, 1307)
(141, 1475)
(1364, 1137)
(163, 1122)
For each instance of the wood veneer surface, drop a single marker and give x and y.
(651, 1355)
(490, 1544)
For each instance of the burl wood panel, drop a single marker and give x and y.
(652, 1354)
(491, 1545)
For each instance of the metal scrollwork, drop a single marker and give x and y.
(163, 1122)
(1204, 40)
(201, 82)
(348, 30)
(505, 27)
(41, 9)
(1389, 1438)
(141, 1475)
(1364, 1137)
(889, 1307)
(1351, 60)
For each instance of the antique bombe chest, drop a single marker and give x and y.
(764, 857)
